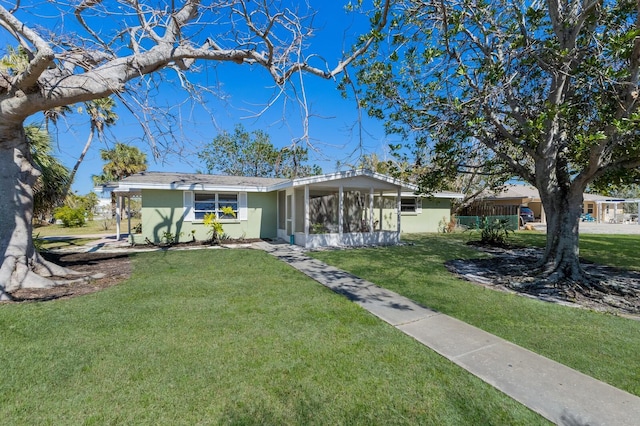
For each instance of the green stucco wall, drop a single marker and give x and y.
(162, 212)
(433, 212)
(263, 215)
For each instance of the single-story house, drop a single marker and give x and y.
(349, 208)
(601, 208)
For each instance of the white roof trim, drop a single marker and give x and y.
(192, 187)
(309, 180)
(124, 187)
(443, 194)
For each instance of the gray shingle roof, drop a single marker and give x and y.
(188, 179)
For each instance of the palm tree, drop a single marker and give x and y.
(122, 161)
(50, 188)
(15, 62)
(101, 115)
(52, 115)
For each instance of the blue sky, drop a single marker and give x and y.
(333, 127)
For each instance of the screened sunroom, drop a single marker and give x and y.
(342, 209)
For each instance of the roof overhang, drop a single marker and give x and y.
(350, 178)
(441, 194)
(125, 186)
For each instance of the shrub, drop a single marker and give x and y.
(38, 243)
(215, 227)
(447, 226)
(70, 217)
(169, 238)
(495, 232)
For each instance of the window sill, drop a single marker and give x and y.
(200, 221)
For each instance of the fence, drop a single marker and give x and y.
(476, 215)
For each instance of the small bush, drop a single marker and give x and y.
(38, 243)
(447, 226)
(495, 232)
(70, 217)
(169, 238)
(214, 225)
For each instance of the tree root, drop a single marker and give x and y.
(37, 274)
(595, 286)
(45, 268)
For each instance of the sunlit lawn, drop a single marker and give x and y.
(612, 249)
(229, 337)
(603, 346)
(97, 226)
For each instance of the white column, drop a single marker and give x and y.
(118, 204)
(306, 212)
(381, 208)
(371, 209)
(398, 206)
(638, 218)
(293, 213)
(129, 214)
(341, 210)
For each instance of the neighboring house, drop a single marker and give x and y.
(599, 207)
(103, 209)
(349, 208)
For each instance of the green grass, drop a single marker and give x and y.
(98, 226)
(227, 337)
(601, 345)
(65, 243)
(610, 249)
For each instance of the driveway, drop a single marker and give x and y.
(601, 228)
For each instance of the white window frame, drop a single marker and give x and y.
(416, 205)
(189, 206)
(217, 205)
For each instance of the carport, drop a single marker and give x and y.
(612, 211)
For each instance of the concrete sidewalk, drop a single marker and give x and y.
(559, 393)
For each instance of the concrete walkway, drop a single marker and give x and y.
(560, 394)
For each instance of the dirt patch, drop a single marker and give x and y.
(196, 243)
(613, 290)
(115, 267)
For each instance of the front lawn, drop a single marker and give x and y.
(96, 226)
(601, 345)
(228, 337)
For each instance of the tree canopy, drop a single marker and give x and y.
(244, 153)
(543, 91)
(121, 161)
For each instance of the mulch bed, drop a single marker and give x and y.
(617, 291)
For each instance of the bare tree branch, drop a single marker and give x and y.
(42, 58)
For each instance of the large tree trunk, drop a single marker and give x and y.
(21, 266)
(560, 262)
